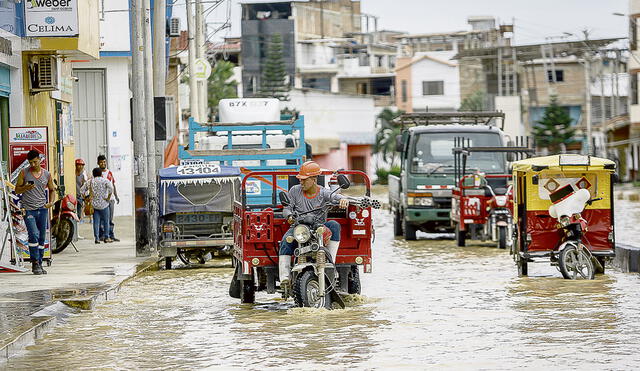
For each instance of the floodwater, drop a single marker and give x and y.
(427, 305)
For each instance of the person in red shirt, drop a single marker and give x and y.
(108, 174)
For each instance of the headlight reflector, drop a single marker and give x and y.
(423, 201)
(301, 233)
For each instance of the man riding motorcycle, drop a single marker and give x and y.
(306, 196)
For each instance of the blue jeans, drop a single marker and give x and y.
(101, 223)
(287, 248)
(36, 222)
(112, 205)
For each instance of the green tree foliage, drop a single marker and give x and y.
(274, 77)
(554, 130)
(386, 134)
(219, 84)
(474, 102)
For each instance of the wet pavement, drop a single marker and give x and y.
(427, 305)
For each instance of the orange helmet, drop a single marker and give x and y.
(309, 169)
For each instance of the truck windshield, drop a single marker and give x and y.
(432, 153)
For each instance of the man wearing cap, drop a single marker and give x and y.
(304, 197)
(81, 179)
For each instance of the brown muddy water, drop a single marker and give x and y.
(427, 305)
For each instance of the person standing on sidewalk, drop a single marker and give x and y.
(32, 184)
(100, 191)
(107, 174)
(81, 179)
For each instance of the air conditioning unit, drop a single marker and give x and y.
(43, 73)
(174, 27)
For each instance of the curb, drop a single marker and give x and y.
(27, 334)
(627, 258)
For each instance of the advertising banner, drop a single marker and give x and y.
(46, 18)
(21, 141)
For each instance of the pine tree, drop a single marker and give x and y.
(274, 78)
(554, 130)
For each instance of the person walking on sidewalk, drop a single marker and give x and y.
(32, 184)
(100, 191)
(81, 179)
(108, 174)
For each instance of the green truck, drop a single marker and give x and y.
(420, 198)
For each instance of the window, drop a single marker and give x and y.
(404, 91)
(433, 88)
(559, 75)
(633, 34)
(322, 83)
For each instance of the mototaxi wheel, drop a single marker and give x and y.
(234, 286)
(353, 284)
(64, 235)
(460, 236)
(602, 261)
(575, 263)
(502, 238)
(306, 290)
(523, 266)
(247, 291)
(397, 223)
(167, 262)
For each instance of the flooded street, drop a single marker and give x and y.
(427, 304)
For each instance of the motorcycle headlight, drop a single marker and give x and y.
(565, 221)
(501, 200)
(70, 205)
(302, 233)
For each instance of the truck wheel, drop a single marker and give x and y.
(409, 231)
(397, 224)
(354, 281)
(502, 237)
(460, 236)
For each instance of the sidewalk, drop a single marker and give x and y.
(29, 303)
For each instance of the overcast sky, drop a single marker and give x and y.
(535, 20)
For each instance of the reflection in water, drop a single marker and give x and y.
(427, 304)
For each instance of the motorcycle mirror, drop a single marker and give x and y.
(284, 199)
(343, 182)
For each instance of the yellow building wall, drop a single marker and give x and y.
(40, 110)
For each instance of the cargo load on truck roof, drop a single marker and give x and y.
(490, 118)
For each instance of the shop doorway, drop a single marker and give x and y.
(89, 115)
(4, 128)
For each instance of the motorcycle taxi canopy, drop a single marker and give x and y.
(198, 188)
(565, 162)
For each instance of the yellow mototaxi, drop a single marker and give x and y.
(550, 183)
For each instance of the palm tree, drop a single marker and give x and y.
(386, 134)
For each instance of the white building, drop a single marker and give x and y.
(428, 81)
(101, 111)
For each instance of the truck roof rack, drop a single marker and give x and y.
(445, 118)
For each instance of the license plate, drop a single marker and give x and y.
(198, 218)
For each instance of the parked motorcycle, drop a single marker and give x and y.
(314, 272)
(62, 222)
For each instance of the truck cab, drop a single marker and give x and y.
(420, 197)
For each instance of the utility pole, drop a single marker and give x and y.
(152, 191)
(193, 91)
(139, 133)
(587, 89)
(587, 103)
(159, 47)
(200, 53)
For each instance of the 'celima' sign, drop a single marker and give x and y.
(51, 18)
